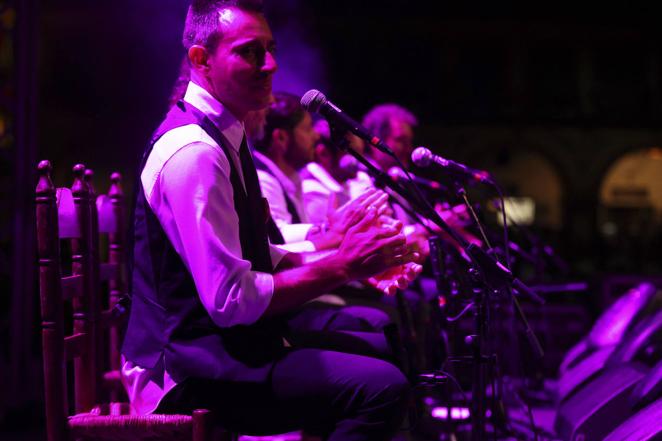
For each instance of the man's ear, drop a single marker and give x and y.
(279, 141)
(199, 58)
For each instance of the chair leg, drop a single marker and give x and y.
(202, 425)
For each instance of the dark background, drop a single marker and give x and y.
(549, 98)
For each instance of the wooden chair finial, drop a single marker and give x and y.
(89, 180)
(115, 190)
(45, 167)
(45, 183)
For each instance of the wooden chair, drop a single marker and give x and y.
(72, 301)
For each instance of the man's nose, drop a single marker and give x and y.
(270, 65)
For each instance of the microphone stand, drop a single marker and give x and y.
(487, 273)
(519, 313)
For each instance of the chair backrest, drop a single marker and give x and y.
(109, 233)
(78, 336)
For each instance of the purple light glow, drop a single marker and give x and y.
(455, 413)
(441, 413)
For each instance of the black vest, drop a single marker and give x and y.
(275, 236)
(168, 321)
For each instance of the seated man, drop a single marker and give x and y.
(209, 294)
(335, 177)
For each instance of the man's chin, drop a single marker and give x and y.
(254, 106)
(263, 101)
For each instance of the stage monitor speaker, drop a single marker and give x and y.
(582, 372)
(649, 389)
(600, 405)
(642, 343)
(612, 324)
(645, 425)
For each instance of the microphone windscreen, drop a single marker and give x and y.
(313, 100)
(421, 156)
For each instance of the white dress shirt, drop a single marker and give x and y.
(275, 185)
(318, 191)
(186, 182)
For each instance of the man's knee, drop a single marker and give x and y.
(386, 384)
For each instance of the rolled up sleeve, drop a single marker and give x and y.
(195, 205)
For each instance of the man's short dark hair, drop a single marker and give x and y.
(201, 27)
(378, 119)
(285, 112)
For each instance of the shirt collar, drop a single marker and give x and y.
(231, 127)
(292, 185)
(318, 172)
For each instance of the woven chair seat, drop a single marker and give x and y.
(131, 427)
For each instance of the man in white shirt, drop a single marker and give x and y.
(334, 177)
(208, 291)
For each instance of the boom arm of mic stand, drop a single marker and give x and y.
(494, 274)
(381, 178)
(412, 213)
(384, 180)
(477, 255)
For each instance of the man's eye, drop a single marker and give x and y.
(247, 51)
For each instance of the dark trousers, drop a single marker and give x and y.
(339, 395)
(415, 313)
(321, 316)
(339, 380)
(358, 329)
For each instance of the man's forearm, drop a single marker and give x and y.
(296, 286)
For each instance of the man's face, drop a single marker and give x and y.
(242, 67)
(303, 138)
(401, 140)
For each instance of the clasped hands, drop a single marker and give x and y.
(374, 245)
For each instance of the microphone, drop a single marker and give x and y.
(315, 101)
(423, 157)
(398, 175)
